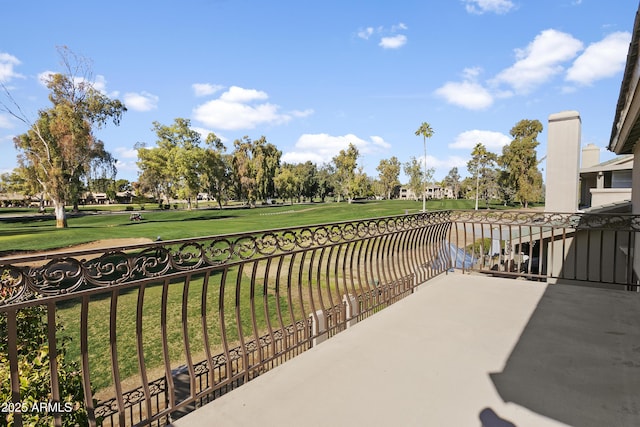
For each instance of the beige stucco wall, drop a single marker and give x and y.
(563, 162)
(590, 156)
(605, 196)
(601, 256)
(635, 206)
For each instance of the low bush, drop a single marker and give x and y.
(35, 374)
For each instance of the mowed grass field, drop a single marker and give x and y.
(25, 230)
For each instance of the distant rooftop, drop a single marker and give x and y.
(617, 163)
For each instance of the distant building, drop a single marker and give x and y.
(604, 183)
(432, 192)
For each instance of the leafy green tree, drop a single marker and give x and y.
(506, 191)
(326, 181)
(519, 160)
(244, 173)
(216, 169)
(175, 164)
(184, 156)
(154, 176)
(123, 185)
(22, 181)
(287, 182)
(426, 132)
(482, 169)
(345, 163)
(388, 173)
(362, 186)
(255, 164)
(60, 146)
(452, 180)
(266, 160)
(468, 188)
(307, 173)
(417, 178)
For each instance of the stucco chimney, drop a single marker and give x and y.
(563, 162)
(590, 156)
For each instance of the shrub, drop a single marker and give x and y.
(480, 246)
(128, 208)
(34, 373)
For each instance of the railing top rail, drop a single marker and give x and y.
(577, 220)
(48, 255)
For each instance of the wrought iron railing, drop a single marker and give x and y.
(160, 329)
(553, 247)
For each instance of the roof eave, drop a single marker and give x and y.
(626, 126)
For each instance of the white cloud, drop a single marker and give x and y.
(398, 27)
(321, 148)
(302, 114)
(44, 77)
(204, 89)
(100, 84)
(443, 164)
(7, 64)
(237, 108)
(471, 73)
(5, 121)
(539, 61)
(389, 37)
(238, 94)
(493, 141)
(380, 142)
(496, 6)
(142, 101)
(601, 59)
(126, 153)
(126, 160)
(393, 42)
(366, 33)
(466, 94)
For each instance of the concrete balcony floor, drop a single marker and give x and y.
(464, 350)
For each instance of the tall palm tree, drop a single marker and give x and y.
(426, 132)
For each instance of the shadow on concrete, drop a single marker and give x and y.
(578, 359)
(489, 418)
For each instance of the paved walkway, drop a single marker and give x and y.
(462, 351)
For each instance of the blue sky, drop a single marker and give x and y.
(314, 76)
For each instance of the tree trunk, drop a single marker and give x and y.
(61, 215)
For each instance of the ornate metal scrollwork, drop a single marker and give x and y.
(550, 219)
(80, 270)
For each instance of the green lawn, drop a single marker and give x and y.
(98, 328)
(24, 232)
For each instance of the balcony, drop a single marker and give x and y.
(444, 318)
(463, 350)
